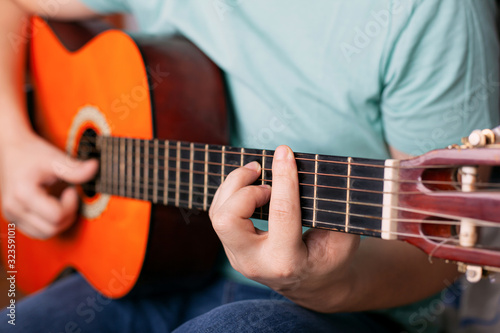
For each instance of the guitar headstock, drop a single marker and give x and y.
(449, 203)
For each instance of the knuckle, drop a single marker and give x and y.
(221, 222)
(285, 272)
(281, 208)
(248, 191)
(58, 217)
(8, 207)
(20, 194)
(50, 231)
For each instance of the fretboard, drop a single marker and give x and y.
(337, 193)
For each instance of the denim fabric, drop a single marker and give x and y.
(72, 306)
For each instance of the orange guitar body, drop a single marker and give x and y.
(107, 83)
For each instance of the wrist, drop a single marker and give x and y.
(14, 134)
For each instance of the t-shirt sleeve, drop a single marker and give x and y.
(441, 74)
(107, 6)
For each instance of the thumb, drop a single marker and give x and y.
(74, 171)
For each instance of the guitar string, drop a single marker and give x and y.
(314, 160)
(258, 155)
(332, 224)
(425, 182)
(453, 238)
(151, 181)
(209, 195)
(341, 226)
(172, 146)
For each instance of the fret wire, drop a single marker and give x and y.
(110, 164)
(191, 158)
(223, 158)
(315, 202)
(242, 157)
(348, 195)
(103, 165)
(129, 168)
(205, 180)
(178, 174)
(262, 175)
(122, 166)
(137, 167)
(155, 171)
(146, 169)
(104, 157)
(165, 174)
(116, 152)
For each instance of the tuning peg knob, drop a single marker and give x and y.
(473, 273)
(477, 139)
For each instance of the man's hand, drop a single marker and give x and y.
(301, 267)
(27, 166)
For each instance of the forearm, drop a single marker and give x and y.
(391, 273)
(14, 34)
(13, 40)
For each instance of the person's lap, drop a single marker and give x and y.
(71, 305)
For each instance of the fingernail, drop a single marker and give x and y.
(255, 166)
(265, 186)
(282, 153)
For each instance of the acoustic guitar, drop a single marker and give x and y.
(153, 112)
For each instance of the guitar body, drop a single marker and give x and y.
(110, 84)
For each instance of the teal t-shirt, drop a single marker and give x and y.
(343, 77)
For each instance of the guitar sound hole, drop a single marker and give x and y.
(87, 149)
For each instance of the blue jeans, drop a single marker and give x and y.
(71, 305)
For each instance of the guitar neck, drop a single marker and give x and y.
(337, 193)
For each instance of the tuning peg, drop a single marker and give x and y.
(473, 273)
(482, 138)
